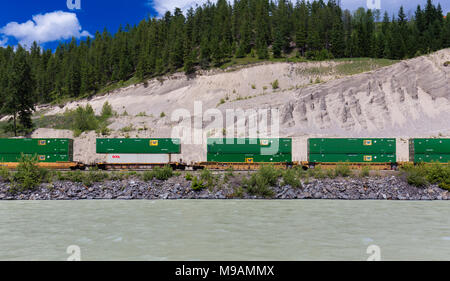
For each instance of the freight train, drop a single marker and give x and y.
(226, 153)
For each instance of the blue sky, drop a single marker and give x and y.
(51, 21)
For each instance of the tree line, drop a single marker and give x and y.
(209, 36)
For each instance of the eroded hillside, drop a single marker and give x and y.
(407, 99)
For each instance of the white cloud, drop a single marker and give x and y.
(162, 6)
(44, 28)
(3, 42)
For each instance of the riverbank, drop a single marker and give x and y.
(178, 187)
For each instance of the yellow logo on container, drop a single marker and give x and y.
(367, 142)
(368, 158)
(264, 142)
(249, 160)
(154, 143)
(41, 157)
(42, 142)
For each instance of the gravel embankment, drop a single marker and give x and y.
(385, 188)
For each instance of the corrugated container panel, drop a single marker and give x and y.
(47, 158)
(352, 158)
(51, 146)
(248, 158)
(429, 158)
(267, 146)
(146, 146)
(138, 158)
(429, 146)
(355, 146)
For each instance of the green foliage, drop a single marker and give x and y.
(260, 183)
(28, 175)
(197, 184)
(158, 173)
(343, 170)
(4, 174)
(162, 115)
(365, 172)
(415, 175)
(107, 112)
(438, 174)
(290, 177)
(188, 177)
(275, 84)
(207, 178)
(85, 119)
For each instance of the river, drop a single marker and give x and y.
(224, 230)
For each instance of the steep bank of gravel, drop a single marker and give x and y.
(373, 188)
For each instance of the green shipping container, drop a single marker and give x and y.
(429, 146)
(47, 158)
(430, 158)
(139, 146)
(269, 146)
(352, 158)
(39, 146)
(351, 146)
(249, 158)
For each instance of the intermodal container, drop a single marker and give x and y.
(430, 158)
(429, 146)
(351, 146)
(138, 146)
(269, 146)
(352, 158)
(47, 158)
(40, 146)
(138, 158)
(249, 158)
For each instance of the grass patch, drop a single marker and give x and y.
(158, 173)
(82, 119)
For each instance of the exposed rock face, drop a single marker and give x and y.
(403, 97)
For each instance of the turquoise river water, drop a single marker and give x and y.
(224, 230)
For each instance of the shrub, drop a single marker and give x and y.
(365, 172)
(208, 177)
(316, 173)
(439, 174)
(197, 184)
(4, 174)
(188, 176)
(290, 178)
(162, 115)
(238, 192)
(260, 182)
(275, 84)
(164, 173)
(416, 178)
(343, 170)
(85, 119)
(107, 111)
(415, 175)
(28, 175)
